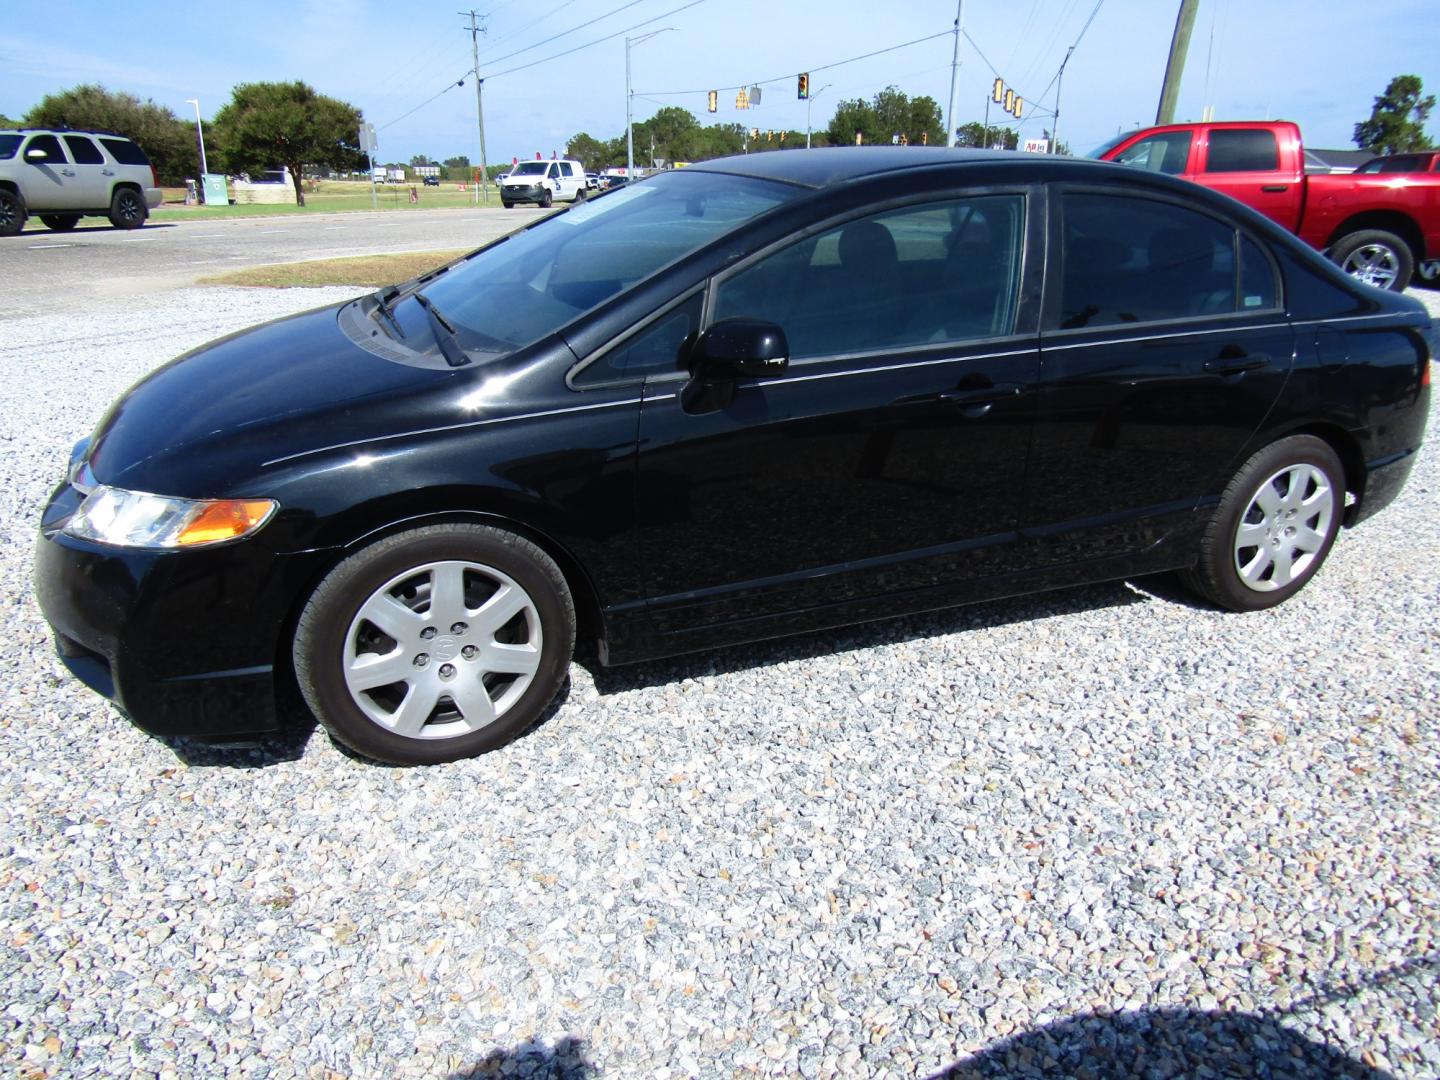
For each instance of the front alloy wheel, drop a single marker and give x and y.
(435, 644)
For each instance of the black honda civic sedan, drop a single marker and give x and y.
(743, 399)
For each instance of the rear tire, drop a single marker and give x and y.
(435, 644)
(1376, 257)
(507, 205)
(580, 195)
(12, 213)
(1273, 528)
(59, 222)
(128, 209)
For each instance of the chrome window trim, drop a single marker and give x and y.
(628, 333)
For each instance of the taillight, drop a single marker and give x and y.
(1425, 375)
(154, 177)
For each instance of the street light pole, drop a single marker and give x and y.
(630, 102)
(200, 133)
(808, 100)
(1059, 82)
(954, 73)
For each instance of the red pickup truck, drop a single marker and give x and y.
(1378, 226)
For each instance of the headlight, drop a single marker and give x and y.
(135, 519)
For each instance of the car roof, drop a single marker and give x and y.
(829, 165)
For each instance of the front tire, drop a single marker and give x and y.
(1377, 258)
(128, 209)
(435, 644)
(1274, 526)
(59, 222)
(546, 199)
(12, 213)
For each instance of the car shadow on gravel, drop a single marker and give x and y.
(98, 227)
(981, 616)
(1161, 1043)
(535, 1060)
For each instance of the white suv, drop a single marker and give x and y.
(543, 182)
(62, 175)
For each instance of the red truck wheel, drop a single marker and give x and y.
(1375, 257)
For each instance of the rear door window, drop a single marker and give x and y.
(1242, 151)
(83, 151)
(1131, 260)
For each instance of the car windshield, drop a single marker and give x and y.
(530, 168)
(1108, 145)
(9, 143)
(533, 282)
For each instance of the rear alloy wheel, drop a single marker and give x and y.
(127, 209)
(436, 644)
(12, 213)
(1377, 258)
(1274, 527)
(59, 222)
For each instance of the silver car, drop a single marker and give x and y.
(62, 175)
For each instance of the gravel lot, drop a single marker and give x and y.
(1052, 835)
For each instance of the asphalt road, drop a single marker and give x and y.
(46, 272)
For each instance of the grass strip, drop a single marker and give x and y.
(370, 271)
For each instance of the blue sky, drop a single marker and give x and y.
(1320, 63)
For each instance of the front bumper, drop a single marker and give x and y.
(523, 193)
(184, 643)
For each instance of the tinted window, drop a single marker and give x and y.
(125, 152)
(9, 143)
(914, 276)
(529, 168)
(1400, 163)
(51, 145)
(565, 169)
(1257, 279)
(1242, 151)
(653, 349)
(1134, 260)
(1165, 153)
(537, 280)
(83, 151)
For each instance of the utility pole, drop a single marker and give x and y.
(809, 98)
(629, 104)
(1175, 67)
(1059, 83)
(954, 73)
(475, 33)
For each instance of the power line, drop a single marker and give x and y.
(565, 33)
(417, 108)
(812, 70)
(597, 41)
(533, 22)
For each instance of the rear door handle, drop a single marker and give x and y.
(67, 172)
(1232, 361)
(1277, 188)
(107, 172)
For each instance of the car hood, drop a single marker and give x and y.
(215, 421)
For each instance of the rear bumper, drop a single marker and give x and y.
(1384, 480)
(153, 197)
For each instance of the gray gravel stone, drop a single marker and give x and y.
(996, 838)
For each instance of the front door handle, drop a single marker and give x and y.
(977, 401)
(1233, 360)
(67, 172)
(1275, 188)
(107, 172)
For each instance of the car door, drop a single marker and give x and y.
(1164, 346)
(890, 455)
(1244, 163)
(49, 183)
(92, 185)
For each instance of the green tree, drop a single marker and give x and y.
(269, 124)
(587, 150)
(889, 115)
(458, 167)
(421, 159)
(976, 134)
(6, 122)
(1397, 122)
(168, 141)
(668, 135)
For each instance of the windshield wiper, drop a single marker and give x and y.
(444, 333)
(382, 305)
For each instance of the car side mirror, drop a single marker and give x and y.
(35, 157)
(729, 350)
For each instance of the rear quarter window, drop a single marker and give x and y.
(125, 152)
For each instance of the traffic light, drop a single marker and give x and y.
(802, 86)
(714, 100)
(769, 136)
(742, 99)
(924, 138)
(1010, 101)
(1019, 106)
(998, 93)
(754, 134)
